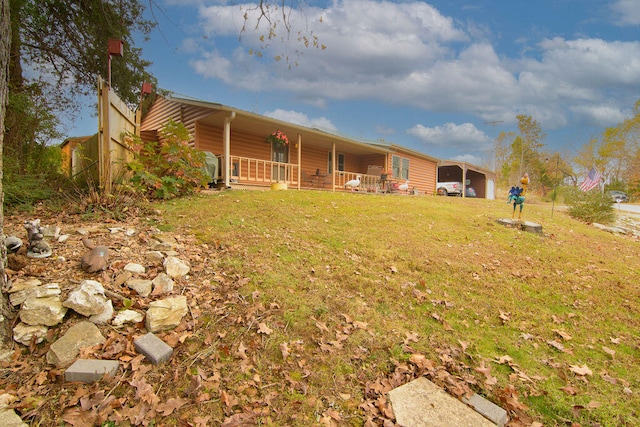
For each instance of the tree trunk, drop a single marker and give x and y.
(5, 43)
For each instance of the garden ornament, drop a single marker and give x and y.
(37, 248)
(517, 198)
(96, 259)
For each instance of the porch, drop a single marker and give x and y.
(254, 172)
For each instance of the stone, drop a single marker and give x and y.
(175, 267)
(51, 231)
(47, 311)
(24, 333)
(142, 286)
(135, 268)
(165, 313)
(488, 409)
(104, 317)
(162, 284)
(63, 238)
(88, 299)
(64, 350)
(8, 417)
(153, 348)
(127, 316)
(122, 278)
(90, 370)
(24, 289)
(96, 259)
(154, 256)
(421, 403)
(521, 225)
(162, 238)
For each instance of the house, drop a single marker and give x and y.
(312, 159)
(80, 156)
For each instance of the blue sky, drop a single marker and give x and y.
(440, 77)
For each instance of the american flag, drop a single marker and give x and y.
(593, 179)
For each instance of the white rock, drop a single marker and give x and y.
(127, 316)
(166, 313)
(47, 311)
(23, 333)
(63, 238)
(23, 290)
(104, 317)
(141, 286)
(88, 299)
(175, 267)
(162, 284)
(135, 268)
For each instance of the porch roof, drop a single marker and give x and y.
(257, 124)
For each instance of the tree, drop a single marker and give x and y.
(5, 42)
(525, 153)
(65, 44)
(281, 20)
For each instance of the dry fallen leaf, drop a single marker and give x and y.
(610, 352)
(565, 336)
(570, 390)
(581, 370)
(284, 349)
(171, 405)
(505, 317)
(264, 329)
(555, 344)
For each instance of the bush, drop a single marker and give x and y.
(40, 180)
(591, 206)
(167, 169)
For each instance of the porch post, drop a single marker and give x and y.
(227, 149)
(333, 167)
(299, 145)
(464, 180)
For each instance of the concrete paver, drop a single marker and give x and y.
(421, 403)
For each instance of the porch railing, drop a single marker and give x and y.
(256, 171)
(246, 170)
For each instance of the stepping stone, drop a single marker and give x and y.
(488, 409)
(90, 370)
(154, 349)
(520, 224)
(421, 403)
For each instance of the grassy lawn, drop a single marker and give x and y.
(312, 297)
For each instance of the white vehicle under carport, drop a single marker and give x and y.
(450, 188)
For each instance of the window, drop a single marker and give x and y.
(340, 162)
(400, 167)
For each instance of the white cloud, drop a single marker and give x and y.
(468, 158)
(465, 135)
(600, 115)
(302, 119)
(627, 11)
(409, 54)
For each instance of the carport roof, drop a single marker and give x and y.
(468, 166)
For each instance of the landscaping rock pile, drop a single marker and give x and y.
(79, 297)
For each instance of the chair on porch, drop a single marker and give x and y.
(306, 179)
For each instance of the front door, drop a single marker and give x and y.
(280, 154)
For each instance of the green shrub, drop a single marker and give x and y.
(169, 168)
(38, 178)
(591, 206)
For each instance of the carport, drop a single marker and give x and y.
(483, 181)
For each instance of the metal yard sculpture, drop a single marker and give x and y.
(517, 198)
